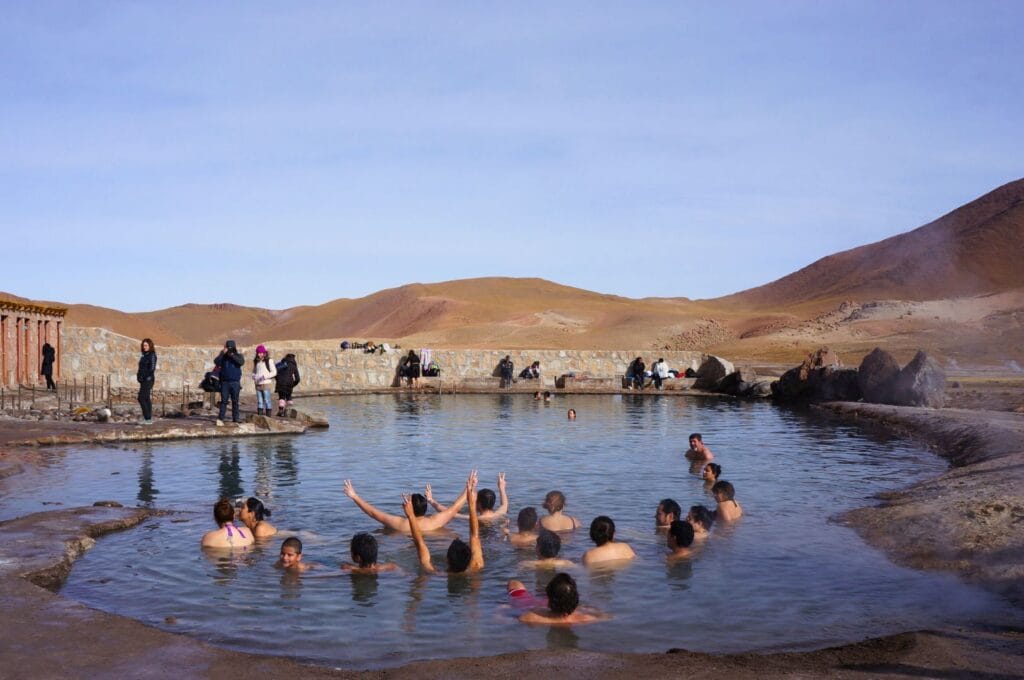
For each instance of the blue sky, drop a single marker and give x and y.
(277, 154)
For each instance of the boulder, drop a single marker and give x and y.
(738, 383)
(711, 373)
(307, 418)
(817, 384)
(877, 375)
(821, 358)
(922, 382)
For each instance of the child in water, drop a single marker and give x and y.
(527, 524)
(291, 556)
(548, 546)
(364, 556)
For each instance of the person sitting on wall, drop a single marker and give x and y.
(635, 373)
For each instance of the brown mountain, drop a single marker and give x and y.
(976, 249)
(955, 285)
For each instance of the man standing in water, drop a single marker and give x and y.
(419, 507)
(697, 449)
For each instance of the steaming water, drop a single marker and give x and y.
(784, 577)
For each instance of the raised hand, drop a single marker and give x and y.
(429, 494)
(407, 505)
(501, 481)
(348, 489)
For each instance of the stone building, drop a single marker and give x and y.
(24, 328)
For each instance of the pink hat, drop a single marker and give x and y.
(261, 350)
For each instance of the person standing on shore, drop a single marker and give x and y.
(263, 372)
(146, 377)
(287, 380)
(46, 370)
(230, 362)
(507, 369)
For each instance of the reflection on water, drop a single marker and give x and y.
(620, 458)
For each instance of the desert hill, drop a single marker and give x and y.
(975, 249)
(954, 286)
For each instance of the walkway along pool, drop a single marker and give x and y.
(784, 577)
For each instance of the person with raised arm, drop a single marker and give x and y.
(419, 505)
(462, 558)
(484, 502)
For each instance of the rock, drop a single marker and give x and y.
(711, 373)
(822, 358)
(877, 375)
(102, 415)
(820, 384)
(307, 418)
(107, 504)
(922, 382)
(760, 388)
(737, 383)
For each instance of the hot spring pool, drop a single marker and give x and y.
(784, 577)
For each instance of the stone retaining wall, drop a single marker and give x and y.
(94, 352)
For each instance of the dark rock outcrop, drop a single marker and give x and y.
(712, 372)
(922, 382)
(819, 378)
(877, 375)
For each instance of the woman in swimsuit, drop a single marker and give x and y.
(554, 503)
(227, 535)
(252, 513)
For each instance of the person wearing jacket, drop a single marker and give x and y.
(262, 373)
(146, 376)
(230, 362)
(659, 372)
(287, 380)
(46, 370)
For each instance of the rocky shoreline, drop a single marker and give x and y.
(969, 520)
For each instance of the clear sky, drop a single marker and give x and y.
(277, 154)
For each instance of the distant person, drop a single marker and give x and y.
(286, 381)
(507, 369)
(419, 505)
(700, 518)
(46, 368)
(547, 396)
(290, 558)
(668, 511)
(363, 548)
(679, 540)
(697, 450)
(554, 503)
(602, 533)
(563, 601)
(537, 396)
(710, 474)
(728, 509)
(227, 535)
(548, 547)
(146, 376)
(230, 362)
(461, 558)
(527, 524)
(635, 373)
(485, 500)
(253, 515)
(370, 347)
(531, 372)
(263, 374)
(412, 369)
(659, 372)
(571, 414)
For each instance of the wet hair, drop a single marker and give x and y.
(292, 542)
(485, 500)
(223, 512)
(702, 515)
(715, 468)
(548, 544)
(571, 412)
(554, 501)
(256, 507)
(697, 436)
(547, 393)
(419, 504)
(724, 488)
(527, 520)
(563, 598)
(364, 550)
(152, 347)
(602, 530)
(459, 555)
(682, 533)
(670, 507)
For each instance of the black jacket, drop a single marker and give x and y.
(147, 367)
(49, 353)
(287, 373)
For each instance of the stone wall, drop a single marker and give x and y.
(95, 352)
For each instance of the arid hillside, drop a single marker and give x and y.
(954, 286)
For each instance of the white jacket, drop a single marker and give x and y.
(263, 375)
(661, 368)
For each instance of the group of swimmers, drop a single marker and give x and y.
(542, 533)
